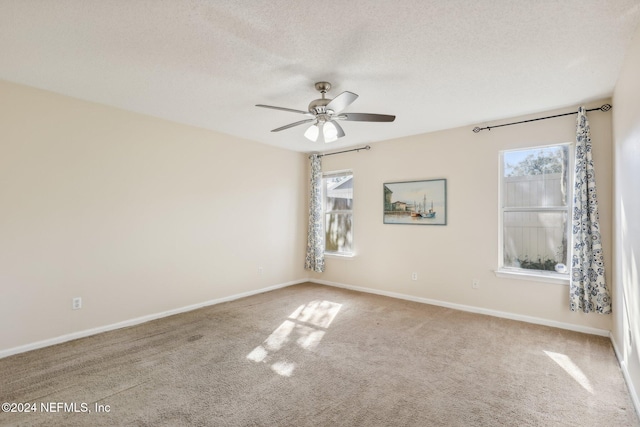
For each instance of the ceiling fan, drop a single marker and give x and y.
(324, 112)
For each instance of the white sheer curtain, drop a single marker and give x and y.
(315, 235)
(588, 291)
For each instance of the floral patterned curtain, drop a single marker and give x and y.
(315, 235)
(588, 291)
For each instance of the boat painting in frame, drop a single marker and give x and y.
(415, 202)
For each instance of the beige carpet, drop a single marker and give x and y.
(311, 355)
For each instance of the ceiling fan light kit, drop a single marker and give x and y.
(324, 112)
(312, 133)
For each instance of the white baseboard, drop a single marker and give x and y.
(138, 320)
(147, 318)
(471, 309)
(627, 378)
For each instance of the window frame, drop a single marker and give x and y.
(523, 273)
(333, 174)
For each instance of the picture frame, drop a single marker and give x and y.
(421, 202)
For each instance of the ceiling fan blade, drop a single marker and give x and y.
(341, 101)
(291, 110)
(365, 117)
(301, 122)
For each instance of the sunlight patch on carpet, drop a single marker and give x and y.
(571, 368)
(317, 313)
(280, 336)
(258, 354)
(283, 368)
(304, 329)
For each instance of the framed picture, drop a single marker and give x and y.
(415, 202)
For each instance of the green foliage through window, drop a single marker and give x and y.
(541, 162)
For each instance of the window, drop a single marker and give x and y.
(535, 210)
(338, 212)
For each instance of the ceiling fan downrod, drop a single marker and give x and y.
(318, 106)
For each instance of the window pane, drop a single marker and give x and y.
(338, 232)
(535, 240)
(535, 178)
(339, 193)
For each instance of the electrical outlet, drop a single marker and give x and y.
(260, 270)
(76, 303)
(475, 284)
(414, 276)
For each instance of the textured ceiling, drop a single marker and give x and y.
(434, 64)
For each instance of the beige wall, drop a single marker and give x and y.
(447, 258)
(134, 214)
(626, 132)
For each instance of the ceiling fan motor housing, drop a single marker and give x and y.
(318, 106)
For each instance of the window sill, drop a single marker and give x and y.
(555, 278)
(339, 256)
